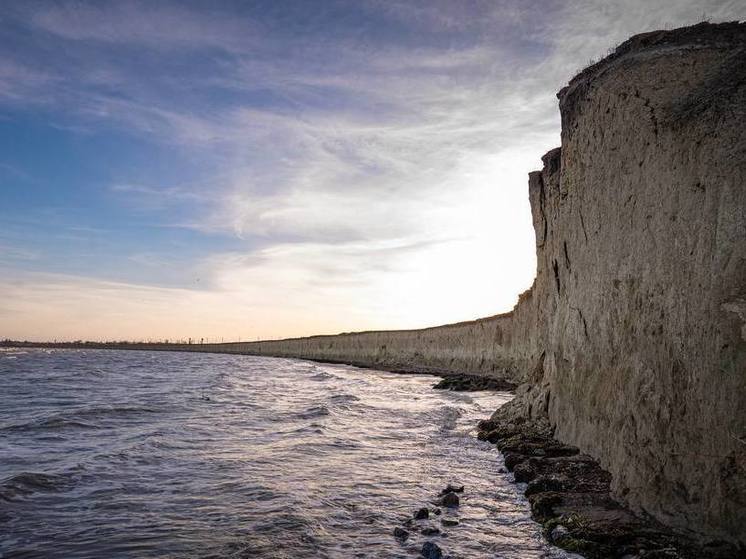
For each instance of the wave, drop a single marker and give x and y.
(336, 398)
(49, 423)
(448, 418)
(109, 411)
(77, 419)
(27, 483)
(12, 351)
(311, 413)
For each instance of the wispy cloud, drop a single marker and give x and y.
(371, 157)
(149, 24)
(9, 253)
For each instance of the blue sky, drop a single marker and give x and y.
(268, 169)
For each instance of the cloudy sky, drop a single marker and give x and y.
(276, 168)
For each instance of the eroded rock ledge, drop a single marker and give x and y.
(570, 495)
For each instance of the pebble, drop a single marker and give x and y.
(558, 533)
(452, 489)
(400, 533)
(422, 514)
(431, 550)
(430, 531)
(449, 522)
(449, 500)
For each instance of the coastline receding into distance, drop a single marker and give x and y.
(629, 346)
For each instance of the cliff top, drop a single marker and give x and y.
(726, 36)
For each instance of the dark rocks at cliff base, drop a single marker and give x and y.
(422, 514)
(452, 489)
(400, 533)
(570, 495)
(473, 383)
(431, 550)
(449, 500)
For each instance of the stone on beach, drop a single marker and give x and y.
(422, 514)
(452, 489)
(449, 500)
(400, 533)
(431, 550)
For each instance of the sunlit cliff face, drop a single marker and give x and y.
(172, 170)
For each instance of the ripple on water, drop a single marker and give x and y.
(26, 483)
(195, 455)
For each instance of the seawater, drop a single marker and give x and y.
(156, 454)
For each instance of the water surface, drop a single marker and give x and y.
(155, 454)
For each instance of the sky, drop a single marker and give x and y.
(245, 170)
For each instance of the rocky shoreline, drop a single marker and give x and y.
(570, 497)
(424, 521)
(472, 383)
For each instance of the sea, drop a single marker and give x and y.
(111, 453)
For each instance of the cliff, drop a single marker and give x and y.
(642, 231)
(632, 340)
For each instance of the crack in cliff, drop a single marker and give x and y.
(582, 225)
(582, 319)
(555, 267)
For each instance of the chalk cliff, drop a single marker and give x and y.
(632, 340)
(641, 236)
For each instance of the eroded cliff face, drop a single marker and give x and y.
(642, 233)
(632, 340)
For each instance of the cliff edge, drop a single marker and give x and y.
(641, 227)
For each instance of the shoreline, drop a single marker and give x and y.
(568, 492)
(570, 497)
(457, 381)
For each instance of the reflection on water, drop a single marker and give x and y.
(146, 454)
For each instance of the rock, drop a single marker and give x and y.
(525, 471)
(557, 533)
(430, 531)
(449, 522)
(542, 484)
(436, 512)
(422, 514)
(485, 425)
(474, 382)
(400, 533)
(431, 550)
(512, 459)
(449, 500)
(452, 489)
(502, 471)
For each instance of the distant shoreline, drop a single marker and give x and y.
(457, 381)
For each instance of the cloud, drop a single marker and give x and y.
(148, 24)
(10, 253)
(374, 167)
